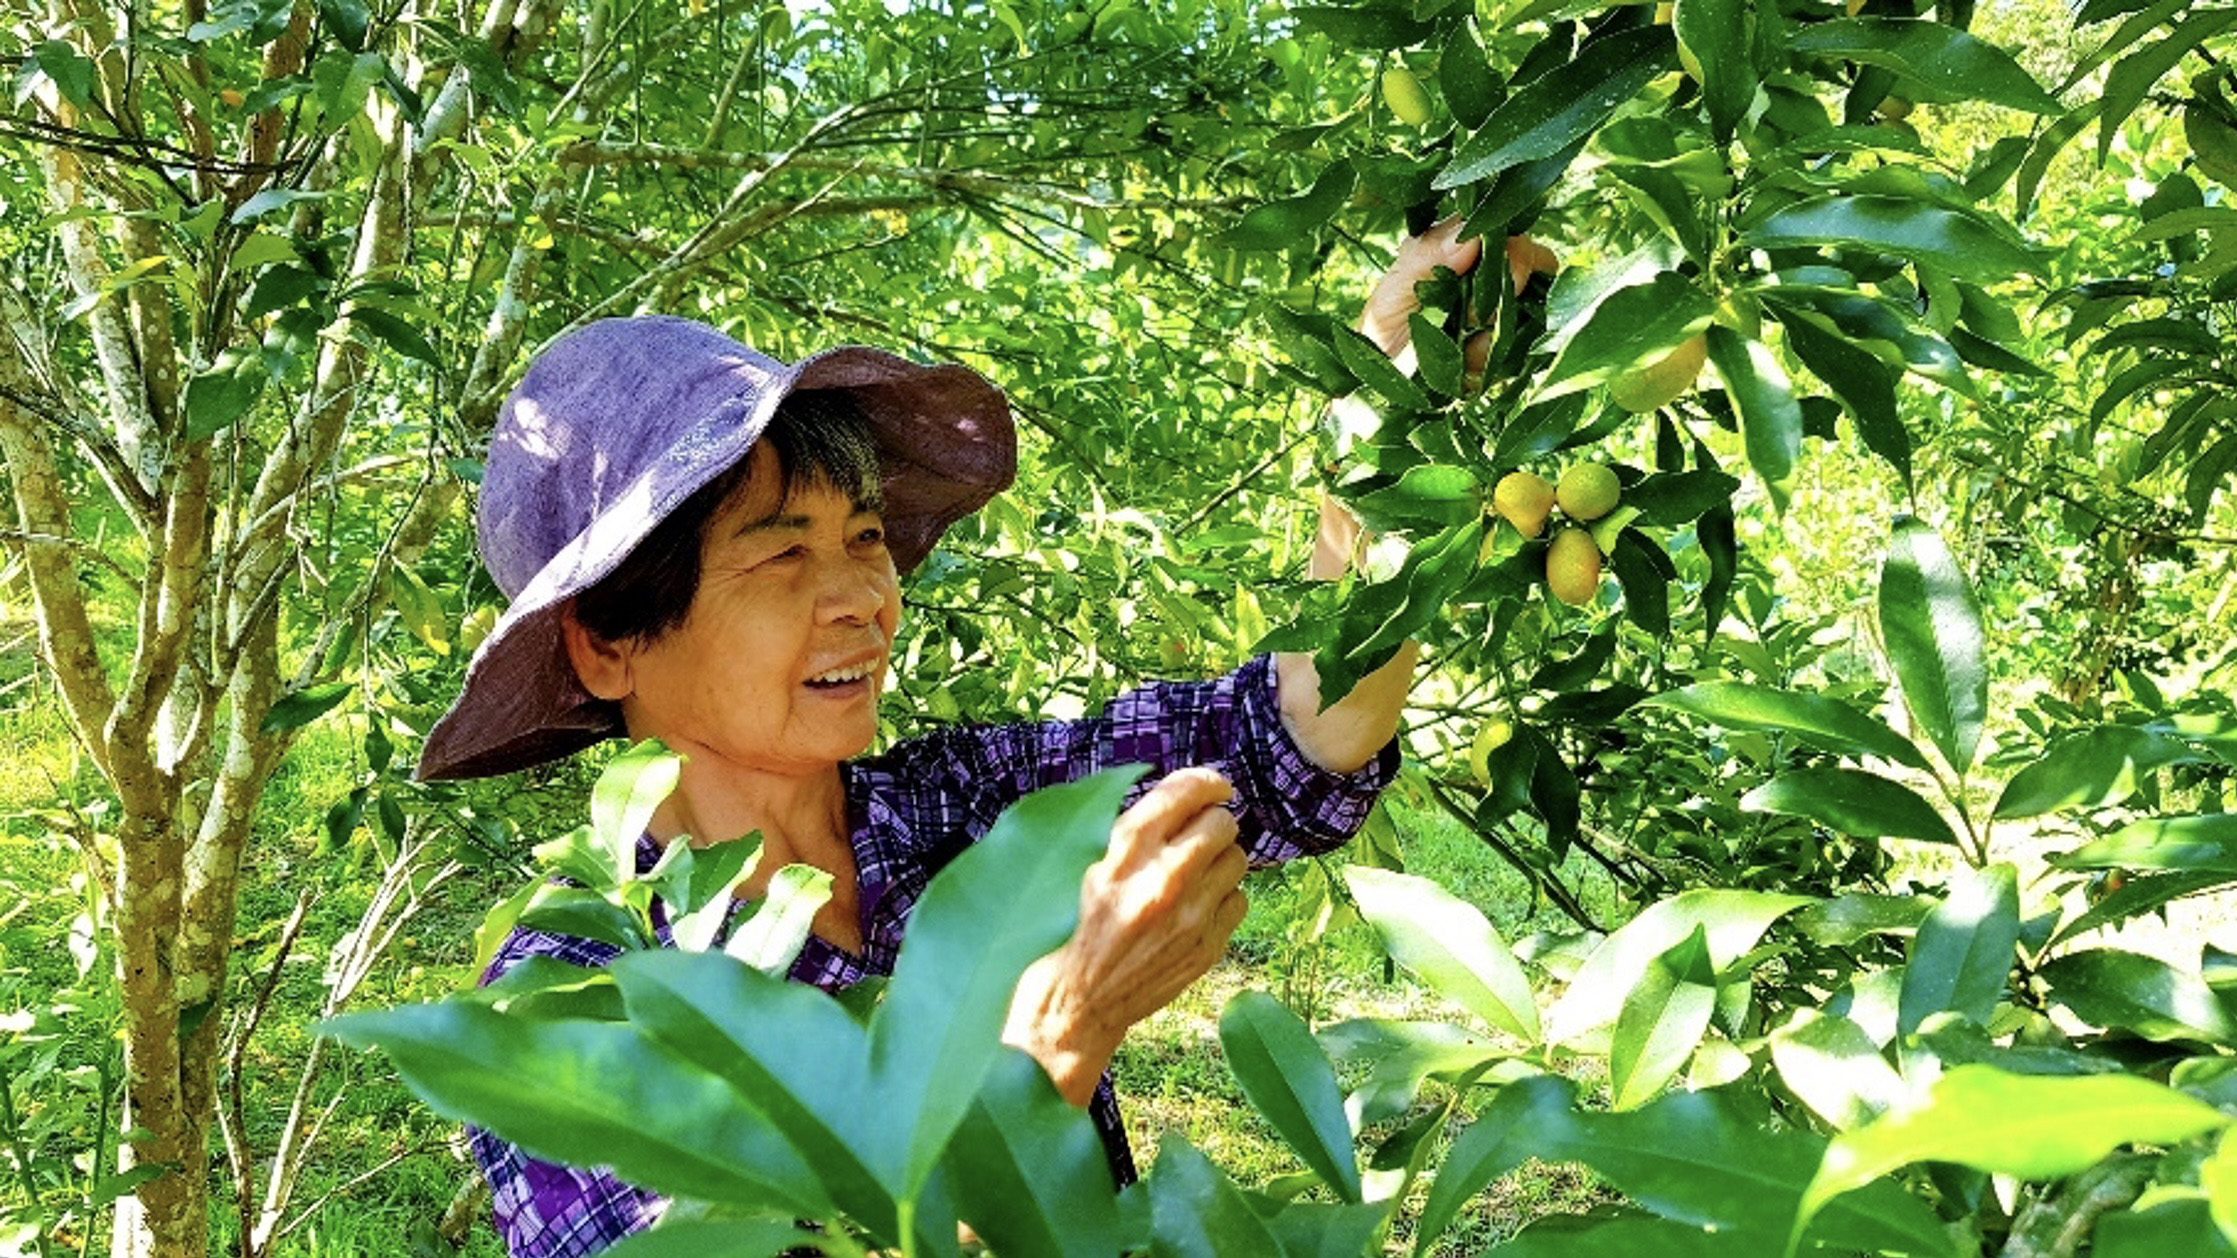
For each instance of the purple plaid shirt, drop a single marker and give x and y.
(913, 809)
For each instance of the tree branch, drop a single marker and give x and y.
(616, 153)
(136, 437)
(66, 636)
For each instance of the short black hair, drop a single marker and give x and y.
(821, 439)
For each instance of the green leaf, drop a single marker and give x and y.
(1282, 224)
(1720, 35)
(2045, 150)
(347, 20)
(219, 398)
(1957, 243)
(270, 199)
(1385, 614)
(2169, 1226)
(1845, 919)
(591, 1094)
(716, 1238)
(1936, 60)
(1734, 921)
(2031, 1127)
(420, 608)
(279, 287)
(1435, 494)
(772, 938)
(1289, 1080)
(1442, 366)
(1931, 626)
(2217, 1175)
(1664, 1017)
(2202, 842)
(1638, 565)
(387, 329)
(1864, 384)
(1028, 1170)
(2138, 896)
(1371, 27)
(790, 1051)
(1449, 945)
(1670, 499)
(1579, 290)
(1964, 949)
(1764, 397)
(298, 708)
(1007, 900)
(1690, 1157)
(1470, 87)
(1603, 1233)
(1561, 107)
(2132, 77)
(633, 785)
(71, 71)
(497, 924)
(1308, 339)
(1835, 1068)
(1318, 1230)
(2089, 769)
(1197, 1212)
(1628, 327)
(1399, 1057)
(1852, 802)
(695, 886)
(2126, 991)
(1374, 369)
(585, 914)
(1815, 720)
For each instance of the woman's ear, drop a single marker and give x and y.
(602, 666)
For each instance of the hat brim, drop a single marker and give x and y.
(946, 444)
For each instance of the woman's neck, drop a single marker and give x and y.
(798, 816)
(802, 821)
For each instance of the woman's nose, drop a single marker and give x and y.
(855, 591)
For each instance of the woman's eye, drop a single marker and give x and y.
(874, 535)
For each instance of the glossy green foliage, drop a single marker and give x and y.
(775, 1072)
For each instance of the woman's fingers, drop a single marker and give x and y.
(1166, 812)
(1384, 321)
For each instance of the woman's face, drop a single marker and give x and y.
(779, 661)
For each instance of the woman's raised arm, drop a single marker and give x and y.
(1347, 734)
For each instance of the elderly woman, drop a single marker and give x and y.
(705, 545)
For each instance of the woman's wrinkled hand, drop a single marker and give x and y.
(1393, 300)
(1155, 913)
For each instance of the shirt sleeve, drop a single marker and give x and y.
(1285, 805)
(543, 1209)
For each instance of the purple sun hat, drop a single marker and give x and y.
(611, 429)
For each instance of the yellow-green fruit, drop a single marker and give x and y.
(1402, 92)
(475, 627)
(1490, 737)
(1573, 567)
(1895, 108)
(1660, 382)
(1475, 358)
(1523, 499)
(1587, 491)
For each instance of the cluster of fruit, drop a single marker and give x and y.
(1586, 492)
